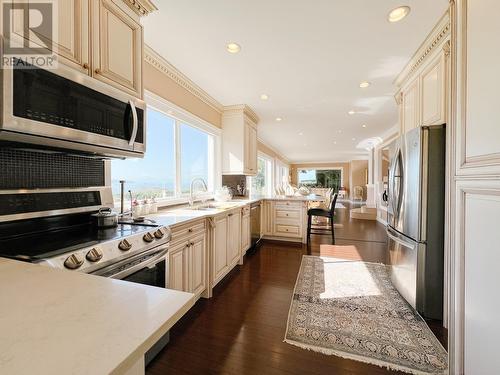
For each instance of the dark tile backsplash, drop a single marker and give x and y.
(232, 182)
(29, 169)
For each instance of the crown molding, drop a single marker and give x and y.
(439, 35)
(153, 58)
(141, 7)
(238, 108)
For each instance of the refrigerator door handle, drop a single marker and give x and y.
(398, 238)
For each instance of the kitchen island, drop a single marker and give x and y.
(60, 322)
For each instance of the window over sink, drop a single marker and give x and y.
(179, 148)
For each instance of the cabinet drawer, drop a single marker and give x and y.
(189, 230)
(288, 230)
(287, 214)
(286, 205)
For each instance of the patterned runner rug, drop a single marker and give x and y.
(350, 309)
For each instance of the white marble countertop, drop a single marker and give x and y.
(59, 322)
(173, 217)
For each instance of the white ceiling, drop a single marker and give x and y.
(309, 57)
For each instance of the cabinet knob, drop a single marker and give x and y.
(191, 244)
(190, 230)
(97, 71)
(85, 66)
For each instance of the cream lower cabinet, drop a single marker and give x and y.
(197, 265)
(177, 267)
(267, 218)
(285, 220)
(225, 249)
(187, 269)
(245, 230)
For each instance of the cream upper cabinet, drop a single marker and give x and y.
(410, 103)
(250, 148)
(101, 38)
(239, 140)
(117, 48)
(433, 103)
(69, 39)
(423, 83)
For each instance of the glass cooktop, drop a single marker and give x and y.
(36, 246)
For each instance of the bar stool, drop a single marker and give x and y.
(329, 213)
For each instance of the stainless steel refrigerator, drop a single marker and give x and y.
(415, 227)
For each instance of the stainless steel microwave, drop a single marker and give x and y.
(62, 108)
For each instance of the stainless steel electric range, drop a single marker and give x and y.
(54, 228)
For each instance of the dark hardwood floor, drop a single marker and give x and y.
(241, 329)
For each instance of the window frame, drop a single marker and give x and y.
(341, 169)
(181, 116)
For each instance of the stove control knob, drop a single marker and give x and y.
(124, 245)
(73, 262)
(94, 255)
(159, 234)
(148, 237)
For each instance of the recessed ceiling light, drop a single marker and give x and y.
(351, 112)
(354, 139)
(364, 126)
(233, 47)
(339, 131)
(301, 133)
(398, 13)
(279, 119)
(334, 142)
(264, 96)
(364, 84)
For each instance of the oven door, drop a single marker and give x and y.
(62, 108)
(148, 268)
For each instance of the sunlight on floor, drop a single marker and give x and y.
(359, 283)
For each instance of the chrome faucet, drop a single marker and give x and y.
(192, 192)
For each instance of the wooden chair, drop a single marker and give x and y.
(329, 214)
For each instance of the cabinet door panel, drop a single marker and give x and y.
(245, 233)
(252, 150)
(177, 268)
(220, 244)
(117, 48)
(197, 265)
(433, 102)
(410, 107)
(69, 40)
(234, 238)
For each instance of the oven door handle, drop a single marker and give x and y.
(151, 262)
(135, 122)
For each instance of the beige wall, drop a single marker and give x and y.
(359, 169)
(162, 85)
(269, 151)
(345, 171)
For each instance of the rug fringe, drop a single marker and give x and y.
(358, 358)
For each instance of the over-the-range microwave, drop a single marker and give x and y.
(64, 109)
